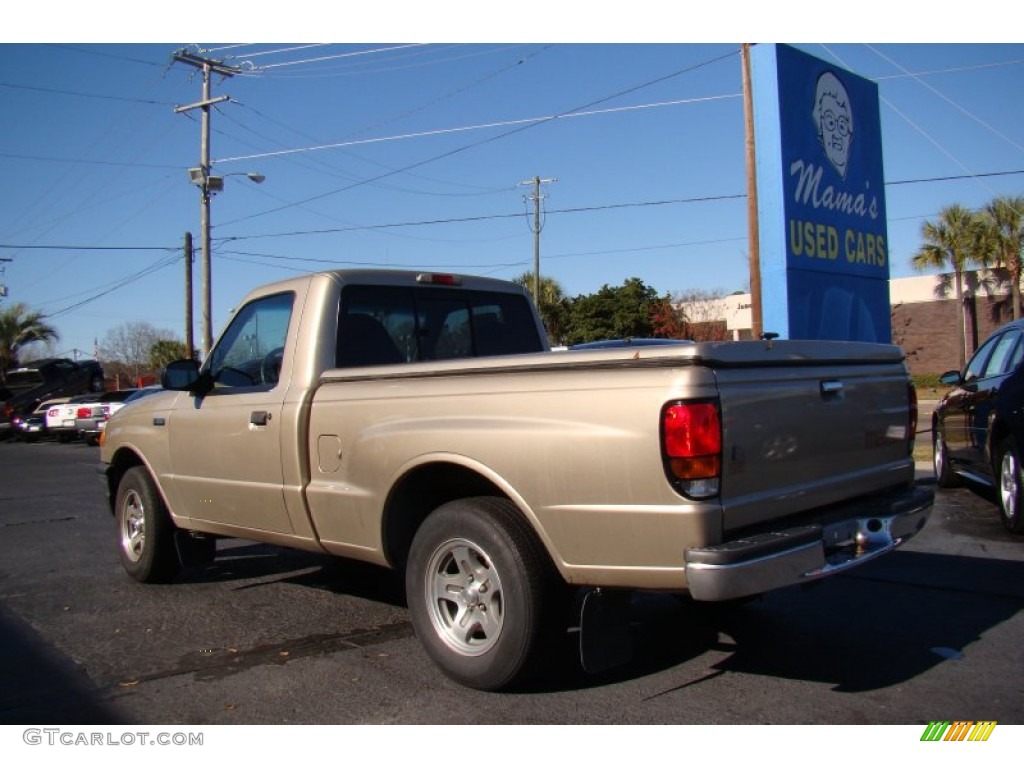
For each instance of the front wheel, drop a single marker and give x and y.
(945, 477)
(1011, 486)
(479, 584)
(145, 532)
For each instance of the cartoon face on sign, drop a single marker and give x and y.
(834, 119)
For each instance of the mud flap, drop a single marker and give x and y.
(605, 638)
(194, 549)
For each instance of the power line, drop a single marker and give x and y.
(105, 55)
(39, 158)
(506, 134)
(523, 123)
(120, 284)
(61, 92)
(471, 219)
(333, 57)
(90, 247)
(578, 209)
(948, 100)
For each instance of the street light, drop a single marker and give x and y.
(209, 186)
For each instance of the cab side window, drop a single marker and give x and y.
(250, 352)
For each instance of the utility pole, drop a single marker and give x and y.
(753, 235)
(189, 346)
(536, 197)
(202, 180)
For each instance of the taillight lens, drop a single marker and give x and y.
(53, 413)
(691, 436)
(84, 413)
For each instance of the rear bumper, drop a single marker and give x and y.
(846, 537)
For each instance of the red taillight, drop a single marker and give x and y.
(692, 444)
(53, 413)
(84, 413)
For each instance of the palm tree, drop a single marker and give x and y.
(1003, 219)
(552, 304)
(952, 242)
(18, 327)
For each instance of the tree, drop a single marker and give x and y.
(1003, 223)
(667, 319)
(19, 327)
(552, 305)
(612, 313)
(130, 344)
(952, 242)
(165, 351)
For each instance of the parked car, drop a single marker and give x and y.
(26, 387)
(978, 427)
(60, 419)
(32, 427)
(91, 416)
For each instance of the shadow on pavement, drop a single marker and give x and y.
(882, 625)
(41, 686)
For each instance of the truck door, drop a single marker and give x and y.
(226, 446)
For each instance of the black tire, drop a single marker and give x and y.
(145, 532)
(945, 477)
(481, 590)
(1010, 485)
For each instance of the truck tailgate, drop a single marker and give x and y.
(800, 436)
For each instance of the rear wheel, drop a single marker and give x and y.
(145, 532)
(1010, 485)
(479, 587)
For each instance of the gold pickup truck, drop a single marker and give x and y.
(420, 421)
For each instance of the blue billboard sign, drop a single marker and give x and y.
(821, 199)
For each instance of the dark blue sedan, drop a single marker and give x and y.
(978, 426)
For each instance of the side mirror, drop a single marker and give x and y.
(951, 378)
(184, 376)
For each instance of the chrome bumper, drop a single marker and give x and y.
(764, 561)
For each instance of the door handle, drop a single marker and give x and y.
(831, 387)
(259, 418)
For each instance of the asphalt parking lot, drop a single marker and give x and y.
(264, 635)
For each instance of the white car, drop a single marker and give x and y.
(92, 414)
(60, 419)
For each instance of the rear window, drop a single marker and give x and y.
(380, 325)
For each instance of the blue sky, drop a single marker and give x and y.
(396, 153)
